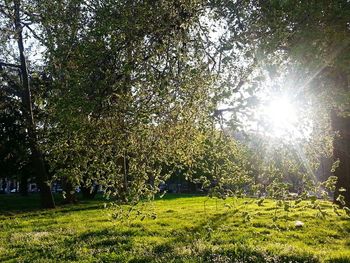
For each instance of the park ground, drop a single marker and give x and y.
(176, 228)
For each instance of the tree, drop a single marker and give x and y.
(330, 39)
(14, 154)
(222, 166)
(309, 40)
(130, 85)
(12, 13)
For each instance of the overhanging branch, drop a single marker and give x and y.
(3, 64)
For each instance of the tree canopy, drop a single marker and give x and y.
(124, 94)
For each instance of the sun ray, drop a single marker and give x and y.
(321, 67)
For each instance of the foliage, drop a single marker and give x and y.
(300, 50)
(14, 149)
(129, 91)
(221, 168)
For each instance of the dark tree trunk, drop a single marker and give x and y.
(123, 191)
(341, 144)
(88, 192)
(126, 172)
(70, 195)
(40, 172)
(23, 184)
(341, 151)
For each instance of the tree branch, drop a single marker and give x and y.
(3, 64)
(32, 31)
(2, 11)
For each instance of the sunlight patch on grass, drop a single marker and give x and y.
(177, 229)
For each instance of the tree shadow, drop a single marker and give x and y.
(17, 205)
(240, 252)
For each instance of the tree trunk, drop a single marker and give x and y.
(123, 191)
(126, 172)
(88, 192)
(341, 152)
(23, 184)
(341, 144)
(70, 196)
(40, 172)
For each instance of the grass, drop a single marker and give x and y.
(177, 228)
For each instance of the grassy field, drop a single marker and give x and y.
(177, 228)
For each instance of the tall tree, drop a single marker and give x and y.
(311, 38)
(126, 76)
(12, 13)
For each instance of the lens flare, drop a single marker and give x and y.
(281, 117)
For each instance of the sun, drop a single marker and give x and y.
(280, 115)
(281, 112)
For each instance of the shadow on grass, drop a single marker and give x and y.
(238, 251)
(104, 243)
(12, 204)
(124, 245)
(15, 202)
(27, 206)
(118, 245)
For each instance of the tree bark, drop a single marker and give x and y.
(341, 152)
(23, 184)
(341, 144)
(88, 192)
(40, 171)
(70, 195)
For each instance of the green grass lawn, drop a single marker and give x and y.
(177, 228)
